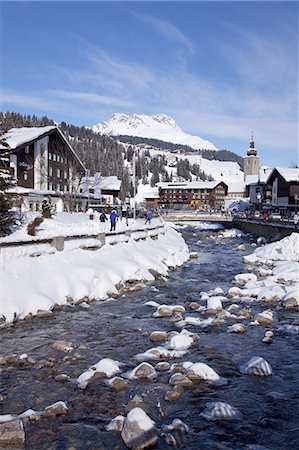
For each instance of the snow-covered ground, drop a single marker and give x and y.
(65, 224)
(54, 278)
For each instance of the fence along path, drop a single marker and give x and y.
(38, 246)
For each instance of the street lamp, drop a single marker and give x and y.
(134, 182)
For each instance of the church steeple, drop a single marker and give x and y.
(251, 151)
(251, 160)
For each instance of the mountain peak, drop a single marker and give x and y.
(159, 126)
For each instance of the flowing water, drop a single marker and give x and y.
(119, 329)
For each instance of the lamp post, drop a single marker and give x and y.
(134, 183)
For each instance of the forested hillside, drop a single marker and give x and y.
(220, 155)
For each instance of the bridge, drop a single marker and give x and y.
(275, 229)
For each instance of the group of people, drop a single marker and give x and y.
(113, 219)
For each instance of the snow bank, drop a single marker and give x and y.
(77, 274)
(286, 249)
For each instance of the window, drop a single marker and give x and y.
(27, 150)
(58, 173)
(58, 158)
(58, 187)
(51, 171)
(54, 157)
(25, 176)
(51, 186)
(50, 156)
(65, 174)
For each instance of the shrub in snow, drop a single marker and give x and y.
(221, 411)
(31, 228)
(139, 430)
(257, 366)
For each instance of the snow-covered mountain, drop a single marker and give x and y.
(159, 126)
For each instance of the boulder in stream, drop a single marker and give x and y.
(139, 430)
(12, 434)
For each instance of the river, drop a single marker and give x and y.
(119, 329)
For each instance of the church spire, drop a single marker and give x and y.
(251, 151)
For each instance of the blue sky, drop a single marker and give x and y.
(220, 69)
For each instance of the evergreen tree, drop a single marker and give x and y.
(6, 215)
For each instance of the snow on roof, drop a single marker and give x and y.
(189, 185)
(151, 194)
(20, 136)
(111, 183)
(235, 186)
(259, 178)
(289, 174)
(15, 137)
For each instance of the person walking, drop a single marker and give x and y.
(103, 217)
(113, 219)
(149, 217)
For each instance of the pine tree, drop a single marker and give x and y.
(6, 215)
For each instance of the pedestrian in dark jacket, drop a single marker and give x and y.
(103, 217)
(113, 219)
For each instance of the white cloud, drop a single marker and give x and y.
(168, 30)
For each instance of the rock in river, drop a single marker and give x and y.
(139, 430)
(257, 366)
(12, 434)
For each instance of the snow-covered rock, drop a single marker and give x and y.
(242, 278)
(144, 370)
(200, 371)
(214, 303)
(291, 298)
(264, 318)
(139, 430)
(287, 249)
(182, 341)
(107, 367)
(271, 293)
(116, 424)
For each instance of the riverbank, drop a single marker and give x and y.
(36, 285)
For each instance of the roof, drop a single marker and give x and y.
(289, 174)
(235, 186)
(111, 183)
(17, 137)
(190, 185)
(262, 177)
